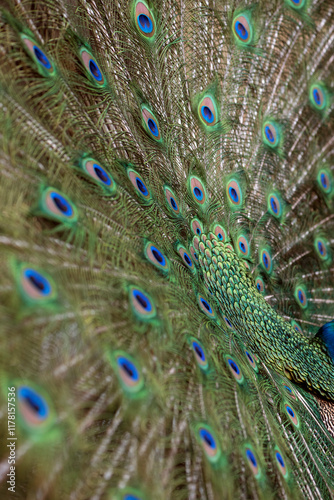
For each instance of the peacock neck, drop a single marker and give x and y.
(261, 327)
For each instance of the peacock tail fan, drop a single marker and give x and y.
(166, 244)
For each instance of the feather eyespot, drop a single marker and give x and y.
(251, 360)
(156, 257)
(324, 179)
(243, 246)
(127, 372)
(318, 96)
(199, 354)
(186, 258)
(266, 260)
(197, 190)
(207, 111)
(321, 248)
(140, 186)
(301, 296)
(296, 326)
(43, 62)
(92, 67)
(235, 370)
(130, 496)
(280, 462)
(271, 134)
(291, 414)
(172, 201)
(296, 4)
(242, 29)
(144, 20)
(56, 206)
(151, 124)
(259, 283)
(252, 462)
(220, 232)
(209, 443)
(196, 227)
(289, 390)
(205, 307)
(193, 253)
(275, 205)
(142, 304)
(98, 174)
(35, 285)
(32, 406)
(234, 193)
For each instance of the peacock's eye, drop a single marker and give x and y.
(242, 29)
(42, 57)
(33, 407)
(38, 281)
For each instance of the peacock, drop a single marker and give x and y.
(166, 249)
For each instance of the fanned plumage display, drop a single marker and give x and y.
(166, 245)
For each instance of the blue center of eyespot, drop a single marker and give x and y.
(269, 134)
(301, 296)
(249, 357)
(273, 205)
(95, 70)
(241, 30)
(258, 286)
(128, 367)
(187, 259)
(145, 23)
(234, 366)
(102, 175)
(242, 247)
(279, 459)
(297, 2)
(130, 497)
(34, 400)
(41, 57)
(220, 236)
(39, 282)
(199, 351)
(207, 438)
(321, 248)
(207, 114)
(288, 389)
(206, 305)
(198, 231)
(290, 411)
(153, 127)
(143, 300)
(233, 194)
(198, 193)
(316, 97)
(158, 256)
(141, 186)
(251, 457)
(265, 260)
(228, 322)
(62, 204)
(324, 181)
(173, 203)
(195, 255)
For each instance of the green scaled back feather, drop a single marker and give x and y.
(166, 241)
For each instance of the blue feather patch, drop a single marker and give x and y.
(326, 333)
